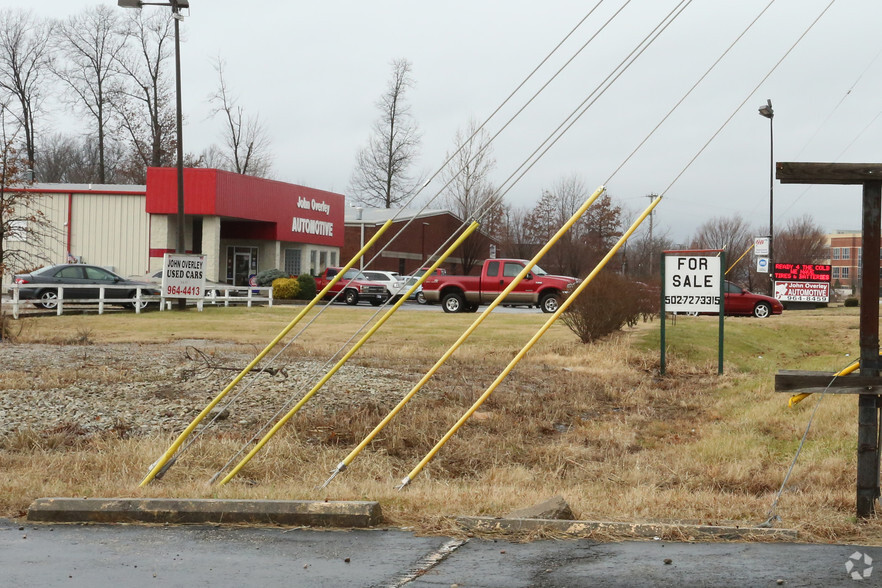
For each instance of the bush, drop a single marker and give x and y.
(307, 286)
(851, 301)
(266, 277)
(286, 288)
(609, 303)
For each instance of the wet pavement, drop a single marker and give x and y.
(131, 555)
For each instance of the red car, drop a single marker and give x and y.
(739, 301)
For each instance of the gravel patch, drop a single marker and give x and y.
(149, 389)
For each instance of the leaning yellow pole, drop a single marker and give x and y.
(739, 259)
(269, 435)
(354, 453)
(162, 461)
(517, 358)
(797, 398)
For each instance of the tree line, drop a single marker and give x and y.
(113, 69)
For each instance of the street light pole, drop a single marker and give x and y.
(767, 112)
(175, 6)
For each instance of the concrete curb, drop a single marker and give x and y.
(312, 513)
(648, 530)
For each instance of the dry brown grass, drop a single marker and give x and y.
(593, 423)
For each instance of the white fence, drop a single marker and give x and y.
(230, 295)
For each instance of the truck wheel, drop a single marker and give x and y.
(350, 297)
(453, 302)
(549, 303)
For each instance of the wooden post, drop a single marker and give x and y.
(869, 175)
(868, 417)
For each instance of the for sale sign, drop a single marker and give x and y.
(692, 283)
(183, 275)
(802, 291)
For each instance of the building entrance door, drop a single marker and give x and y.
(241, 269)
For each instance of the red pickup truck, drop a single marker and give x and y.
(466, 293)
(355, 287)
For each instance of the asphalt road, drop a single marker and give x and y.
(128, 555)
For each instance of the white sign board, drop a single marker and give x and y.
(761, 246)
(802, 291)
(183, 275)
(692, 283)
(762, 265)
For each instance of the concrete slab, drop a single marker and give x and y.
(312, 513)
(669, 532)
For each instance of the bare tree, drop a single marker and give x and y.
(24, 56)
(248, 148)
(801, 241)
(469, 190)
(92, 44)
(734, 236)
(24, 229)
(147, 108)
(381, 177)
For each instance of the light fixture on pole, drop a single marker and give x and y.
(766, 111)
(176, 6)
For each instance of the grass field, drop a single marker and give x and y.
(595, 424)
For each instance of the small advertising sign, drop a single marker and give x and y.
(802, 291)
(183, 275)
(762, 265)
(761, 246)
(692, 283)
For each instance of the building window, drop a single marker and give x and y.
(835, 274)
(292, 262)
(333, 258)
(323, 260)
(844, 273)
(312, 261)
(836, 253)
(846, 253)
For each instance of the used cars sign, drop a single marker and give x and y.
(183, 275)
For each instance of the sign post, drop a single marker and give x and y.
(693, 284)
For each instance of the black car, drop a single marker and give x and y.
(42, 285)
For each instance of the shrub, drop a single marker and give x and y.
(307, 286)
(266, 277)
(286, 288)
(609, 303)
(851, 301)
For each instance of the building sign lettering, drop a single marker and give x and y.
(313, 204)
(312, 227)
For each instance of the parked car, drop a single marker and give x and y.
(42, 284)
(393, 281)
(354, 287)
(466, 293)
(741, 302)
(418, 293)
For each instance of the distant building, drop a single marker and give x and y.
(846, 258)
(423, 234)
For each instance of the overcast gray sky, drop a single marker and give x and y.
(314, 70)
